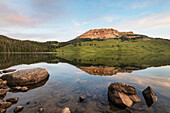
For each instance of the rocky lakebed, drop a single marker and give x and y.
(120, 95)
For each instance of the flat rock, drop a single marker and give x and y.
(8, 70)
(149, 95)
(122, 95)
(12, 100)
(25, 77)
(5, 105)
(66, 110)
(18, 109)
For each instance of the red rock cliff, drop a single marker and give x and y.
(104, 34)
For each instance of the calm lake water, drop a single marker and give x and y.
(90, 74)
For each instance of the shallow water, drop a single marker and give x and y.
(68, 81)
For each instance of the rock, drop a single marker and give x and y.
(25, 77)
(28, 103)
(2, 110)
(122, 95)
(3, 92)
(24, 89)
(128, 110)
(81, 98)
(19, 88)
(8, 70)
(66, 110)
(40, 110)
(5, 105)
(149, 95)
(12, 100)
(4, 82)
(18, 109)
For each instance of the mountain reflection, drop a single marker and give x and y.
(92, 63)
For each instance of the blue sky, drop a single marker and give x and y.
(63, 20)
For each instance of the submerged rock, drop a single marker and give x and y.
(66, 110)
(122, 95)
(5, 105)
(149, 95)
(81, 98)
(8, 70)
(28, 103)
(25, 77)
(18, 109)
(12, 100)
(40, 110)
(128, 110)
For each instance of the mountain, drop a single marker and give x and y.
(110, 40)
(106, 34)
(12, 45)
(97, 40)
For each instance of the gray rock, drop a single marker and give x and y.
(81, 98)
(2, 110)
(5, 105)
(66, 110)
(8, 70)
(12, 100)
(122, 95)
(25, 77)
(3, 92)
(18, 109)
(149, 95)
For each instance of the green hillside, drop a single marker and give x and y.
(12, 45)
(144, 44)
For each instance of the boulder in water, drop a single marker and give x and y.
(122, 95)
(25, 77)
(149, 95)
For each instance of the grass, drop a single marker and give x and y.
(116, 45)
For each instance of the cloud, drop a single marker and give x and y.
(153, 21)
(75, 23)
(78, 23)
(11, 17)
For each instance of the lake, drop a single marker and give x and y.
(90, 74)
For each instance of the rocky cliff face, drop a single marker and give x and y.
(105, 34)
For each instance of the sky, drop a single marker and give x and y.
(63, 20)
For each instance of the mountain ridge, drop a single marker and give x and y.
(106, 34)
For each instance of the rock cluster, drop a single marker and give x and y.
(17, 81)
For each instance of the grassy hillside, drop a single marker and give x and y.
(118, 45)
(12, 45)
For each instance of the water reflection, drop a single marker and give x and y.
(32, 86)
(71, 75)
